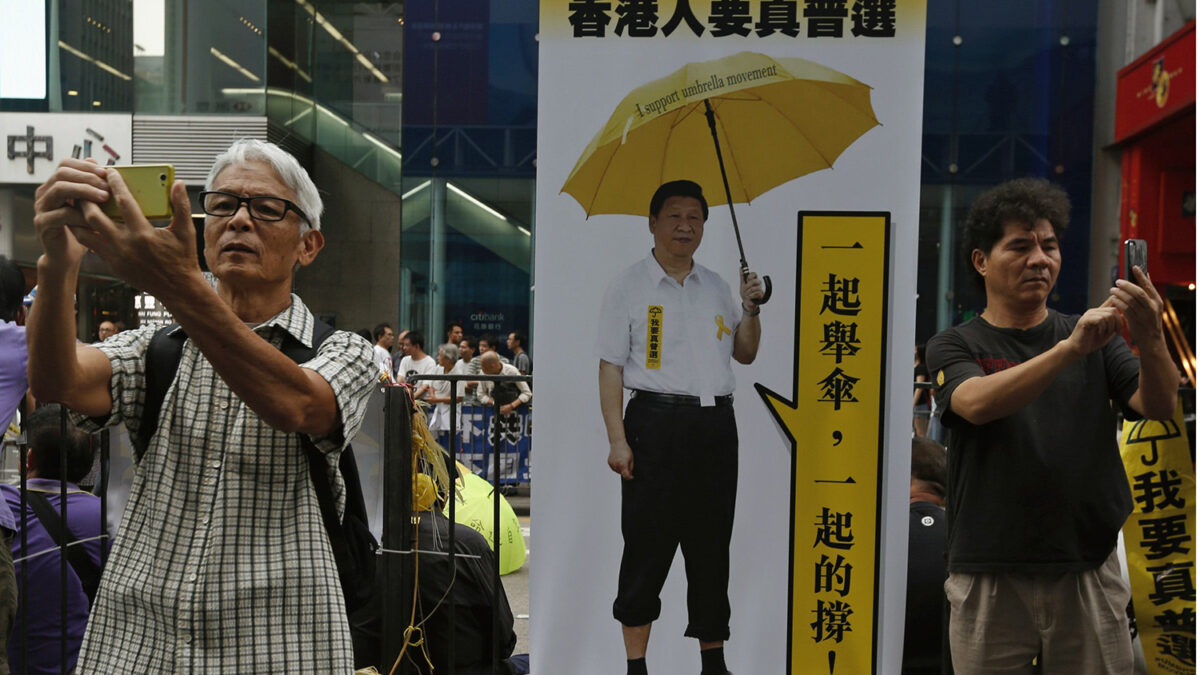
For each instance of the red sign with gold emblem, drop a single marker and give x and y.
(1159, 84)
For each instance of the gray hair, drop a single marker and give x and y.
(293, 175)
(449, 350)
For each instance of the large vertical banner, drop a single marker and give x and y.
(1160, 541)
(816, 110)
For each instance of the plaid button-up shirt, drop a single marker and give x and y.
(222, 563)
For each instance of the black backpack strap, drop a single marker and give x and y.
(88, 573)
(162, 362)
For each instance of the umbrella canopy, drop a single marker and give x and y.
(475, 511)
(777, 119)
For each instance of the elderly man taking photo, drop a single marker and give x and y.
(1036, 489)
(222, 563)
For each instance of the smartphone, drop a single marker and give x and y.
(151, 187)
(1135, 254)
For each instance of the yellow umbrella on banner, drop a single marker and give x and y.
(770, 119)
(475, 511)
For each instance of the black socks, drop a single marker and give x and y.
(712, 661)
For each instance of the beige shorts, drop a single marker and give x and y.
(1071, 623)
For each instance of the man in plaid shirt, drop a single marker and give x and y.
(222, 563)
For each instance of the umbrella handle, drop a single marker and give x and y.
(766, 286)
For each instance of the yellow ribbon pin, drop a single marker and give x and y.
(721, 328)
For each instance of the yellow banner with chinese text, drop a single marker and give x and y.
(835, 422)
(1160, 538)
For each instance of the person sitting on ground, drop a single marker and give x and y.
(469, 584)
(510, 395)
(34, 645)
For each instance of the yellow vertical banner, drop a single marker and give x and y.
(834, 420)
(1160, 541)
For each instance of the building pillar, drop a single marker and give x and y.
(437, 258)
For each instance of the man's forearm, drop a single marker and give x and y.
(56, 372)
(284, 395)
(982, 399)
(746, 338)
(1158, 383)
(611, 395)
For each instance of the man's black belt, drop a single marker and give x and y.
(678, 399)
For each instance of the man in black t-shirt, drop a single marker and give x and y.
(1037, 491)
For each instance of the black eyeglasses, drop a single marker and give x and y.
(267, 209)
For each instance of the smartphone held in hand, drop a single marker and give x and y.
(1135, 254)
(151, 187)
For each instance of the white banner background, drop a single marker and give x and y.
(577, 498)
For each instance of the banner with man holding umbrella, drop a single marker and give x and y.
(658, 111)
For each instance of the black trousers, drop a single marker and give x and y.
(681, 497)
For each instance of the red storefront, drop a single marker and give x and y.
(1156, 130)
(1156, 126)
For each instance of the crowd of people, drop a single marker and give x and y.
(1013, 528)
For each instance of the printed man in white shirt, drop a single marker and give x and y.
(668, 327)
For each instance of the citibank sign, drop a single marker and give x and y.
(36, 142)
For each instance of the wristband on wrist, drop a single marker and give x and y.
(754, 312)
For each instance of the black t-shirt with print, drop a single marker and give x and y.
(1042, 490)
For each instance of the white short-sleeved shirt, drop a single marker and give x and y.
(670, 338)
(384, 358)
(425, 366)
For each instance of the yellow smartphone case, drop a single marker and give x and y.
(151, 187)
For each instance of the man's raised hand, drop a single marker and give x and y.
(151, 259)
(58, 207)
(1095, 328)
(1141, 306)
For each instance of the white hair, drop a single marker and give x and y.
(246, 150)
(449, 350)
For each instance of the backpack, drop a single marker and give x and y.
(354, 547)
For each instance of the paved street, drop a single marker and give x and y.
(516, 585)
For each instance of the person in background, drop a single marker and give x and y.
(510, 395)
(521, 359)
(439, 393)
(469, 358)
(454, 333)
(416, 362)
(926, 600)
(107, 329)
(384, 339)
(487, 343)
(13, 386)
(34, 646)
